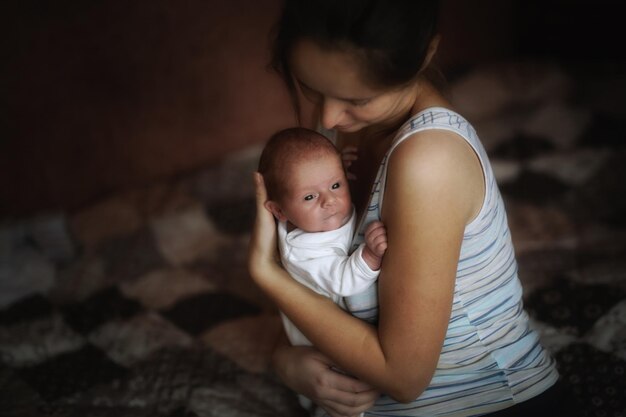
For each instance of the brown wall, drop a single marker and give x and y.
(109, 94)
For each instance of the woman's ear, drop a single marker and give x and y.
(274, 208)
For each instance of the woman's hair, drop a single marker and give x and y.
(286, 149)
(391, 38)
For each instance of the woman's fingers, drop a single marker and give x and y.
(259, 186)
(262, 250)
(264, 220)
(362, 403)
(311, 373)
(338, 409)
(341, 395)
(338, 381)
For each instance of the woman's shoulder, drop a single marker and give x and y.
(434, 131)
(432, 149)
(435, 161)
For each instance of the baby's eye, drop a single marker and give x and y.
(335, 186)
(309, 197)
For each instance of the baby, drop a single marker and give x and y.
(308, 194)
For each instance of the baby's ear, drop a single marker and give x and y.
(274, 208)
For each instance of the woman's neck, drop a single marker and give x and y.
(374, 141)
(421, 95)
(428, 96)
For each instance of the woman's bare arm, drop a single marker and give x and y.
(427, 204)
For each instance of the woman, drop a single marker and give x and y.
(451, 336)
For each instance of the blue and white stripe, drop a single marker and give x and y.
(490, 358)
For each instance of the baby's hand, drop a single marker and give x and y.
(349, 155)
(376, 238)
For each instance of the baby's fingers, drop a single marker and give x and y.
(376, 237)
(350, 150)
(375, 228)
(380, 248)
(379, 244)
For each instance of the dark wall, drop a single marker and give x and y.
(575, 32)
(107, 94)
(102, 95)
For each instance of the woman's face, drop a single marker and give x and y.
(333, 81)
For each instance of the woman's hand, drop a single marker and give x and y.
(262, 252)
(310, 373)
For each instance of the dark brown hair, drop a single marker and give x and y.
(391, 38)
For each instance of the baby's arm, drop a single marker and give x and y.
(375, 244)
(334, 271)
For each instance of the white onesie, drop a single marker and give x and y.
(322, 262)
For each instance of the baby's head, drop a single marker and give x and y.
(305, 180)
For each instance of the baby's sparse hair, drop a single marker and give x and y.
(286, 148)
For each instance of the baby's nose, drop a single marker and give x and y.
(329, 201)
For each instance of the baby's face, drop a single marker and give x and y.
(318, 197)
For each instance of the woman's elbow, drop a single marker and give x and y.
(404, 395)
(406, 379)
(406, 390)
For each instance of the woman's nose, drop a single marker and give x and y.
(332, 113)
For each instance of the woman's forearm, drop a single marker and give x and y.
(415, 295)
(349, 342)
(280, 358)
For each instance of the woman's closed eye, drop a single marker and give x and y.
(315, 97)
(360, 103)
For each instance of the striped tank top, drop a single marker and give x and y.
(491, 359)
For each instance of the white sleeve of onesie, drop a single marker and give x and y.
(339, 275)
